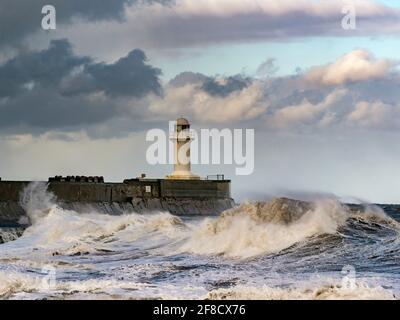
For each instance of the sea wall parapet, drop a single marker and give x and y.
(201, 197)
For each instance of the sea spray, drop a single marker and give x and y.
(243, 232)
(157, 255)
(68, 232)
(15, 283)
(37, 201)
(309, 291)
(248, 230)
(371, 213)
(61, 231)
(10, 234)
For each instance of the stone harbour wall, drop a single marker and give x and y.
(179, 197)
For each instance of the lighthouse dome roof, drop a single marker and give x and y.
(182, 122)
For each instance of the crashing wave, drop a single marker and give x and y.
(248, 230)
(279, 210)
(262, 228)
(294, 229)
(10, 234)
(18, 285)
(325, 292)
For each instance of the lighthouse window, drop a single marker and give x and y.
(180, 128)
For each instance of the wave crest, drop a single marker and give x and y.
(254, 229)
(325, 292)
(248, 230)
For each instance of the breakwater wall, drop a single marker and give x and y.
(179, 197)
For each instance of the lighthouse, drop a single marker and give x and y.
(182, 138)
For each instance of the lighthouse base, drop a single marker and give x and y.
(182, 175)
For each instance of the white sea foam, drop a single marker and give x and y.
(61, 231)
(243, 236)
(37, 201)
(326, 292)
(19, 286)
(68, 232)
(57, 235)
(16, 285)
(9, 234)
(13, 284)
(238, 234)
(372, 213)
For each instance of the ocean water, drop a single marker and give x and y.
(329, 253)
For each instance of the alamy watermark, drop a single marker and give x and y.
(45, 280)
(49, 19)
(208, 146)
(347, 281)
(349, 20)
(48, 280)
(349, 277)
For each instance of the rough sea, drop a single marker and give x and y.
(329, 253)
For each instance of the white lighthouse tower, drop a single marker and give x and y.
(182, 138)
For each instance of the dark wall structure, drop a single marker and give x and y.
(180, 197)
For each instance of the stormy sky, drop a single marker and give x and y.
(324, 101)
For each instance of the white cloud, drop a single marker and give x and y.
(224, 8)
(356, 66)
(374, 115)
(306, 113)
(193, 102)
(190, 23)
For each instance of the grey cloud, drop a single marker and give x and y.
(370, 104)
(203, 30)
(226, 86)
(47, 109)
(291, 104)
(385, 90)
(129, 76)
(53, 89)
(45, 68)
(188, 77)
(288, 103)
(267, 68)
(19, 18)
(214, 86)
(184, 25)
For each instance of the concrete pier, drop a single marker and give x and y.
(179, 197)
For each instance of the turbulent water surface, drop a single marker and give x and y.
(329, 252)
